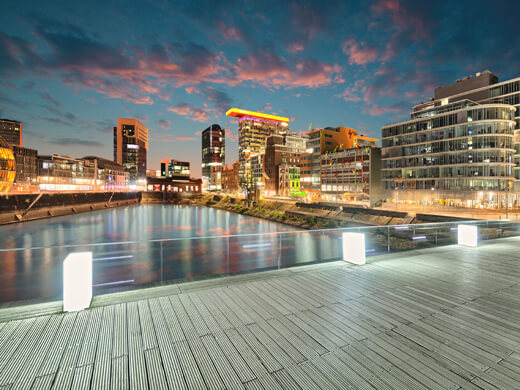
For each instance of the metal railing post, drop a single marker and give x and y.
(160, 242)
(388, 239)
(227, 256)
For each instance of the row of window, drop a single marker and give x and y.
(450, 185)
(450, 132)
(488, 113)
(485, 156)
(448, 172)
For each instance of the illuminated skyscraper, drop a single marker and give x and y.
(130, 148)
(213, 157)
(253, 130)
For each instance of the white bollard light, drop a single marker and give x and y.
(354, 248)
(77, 281)
(467, 235)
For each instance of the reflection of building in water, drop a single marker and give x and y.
(7, 166)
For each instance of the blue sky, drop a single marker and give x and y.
(69, 69)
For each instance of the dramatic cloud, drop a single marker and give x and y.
(266, 68)
(190, 111)
(359, 55)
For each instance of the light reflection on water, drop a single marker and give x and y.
(36, 273)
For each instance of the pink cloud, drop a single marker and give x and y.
(357, 54)
(164, 124)
(194, 113)
(269, 70)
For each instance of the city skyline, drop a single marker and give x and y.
(68, 73)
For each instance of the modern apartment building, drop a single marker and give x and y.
(11, 132)
(352, 175)
(213, 157)
(130, 149)
(253, 130)
(331, 139)
(458, 149)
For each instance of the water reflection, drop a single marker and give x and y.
(198, 251)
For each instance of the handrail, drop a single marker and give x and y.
(161, 240)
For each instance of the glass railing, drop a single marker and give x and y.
(35, 274)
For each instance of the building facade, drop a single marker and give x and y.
(327, 140)
(253, 130)
(213, 157)
(352, 176)
(108, 175)
(11, 132)
(178, 169)
(458, 149)
(282, 154)
(61, 173)
(26, 169)
(130, 150)
(230, 178)
(7, 167)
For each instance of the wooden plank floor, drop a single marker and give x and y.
(442, 318)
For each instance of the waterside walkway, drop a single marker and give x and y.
(440, 318)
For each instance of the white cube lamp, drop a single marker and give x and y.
(467, 235)
(354, 248)
(77, 281)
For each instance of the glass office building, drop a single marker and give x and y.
(458, 149)
(130, 149)
(213, 157)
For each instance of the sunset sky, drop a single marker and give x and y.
(68, 69)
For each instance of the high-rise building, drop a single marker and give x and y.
(459, 148)
(213, 157)
(7, 166)
(130, 148)
(253, 130)
(11, 132)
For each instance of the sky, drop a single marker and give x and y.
(68, 69)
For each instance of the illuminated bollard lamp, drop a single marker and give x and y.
(354, 248)
(77, 281)
(467, 235)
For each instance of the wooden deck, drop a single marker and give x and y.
(443, 318)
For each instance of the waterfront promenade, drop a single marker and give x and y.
(439, 318)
